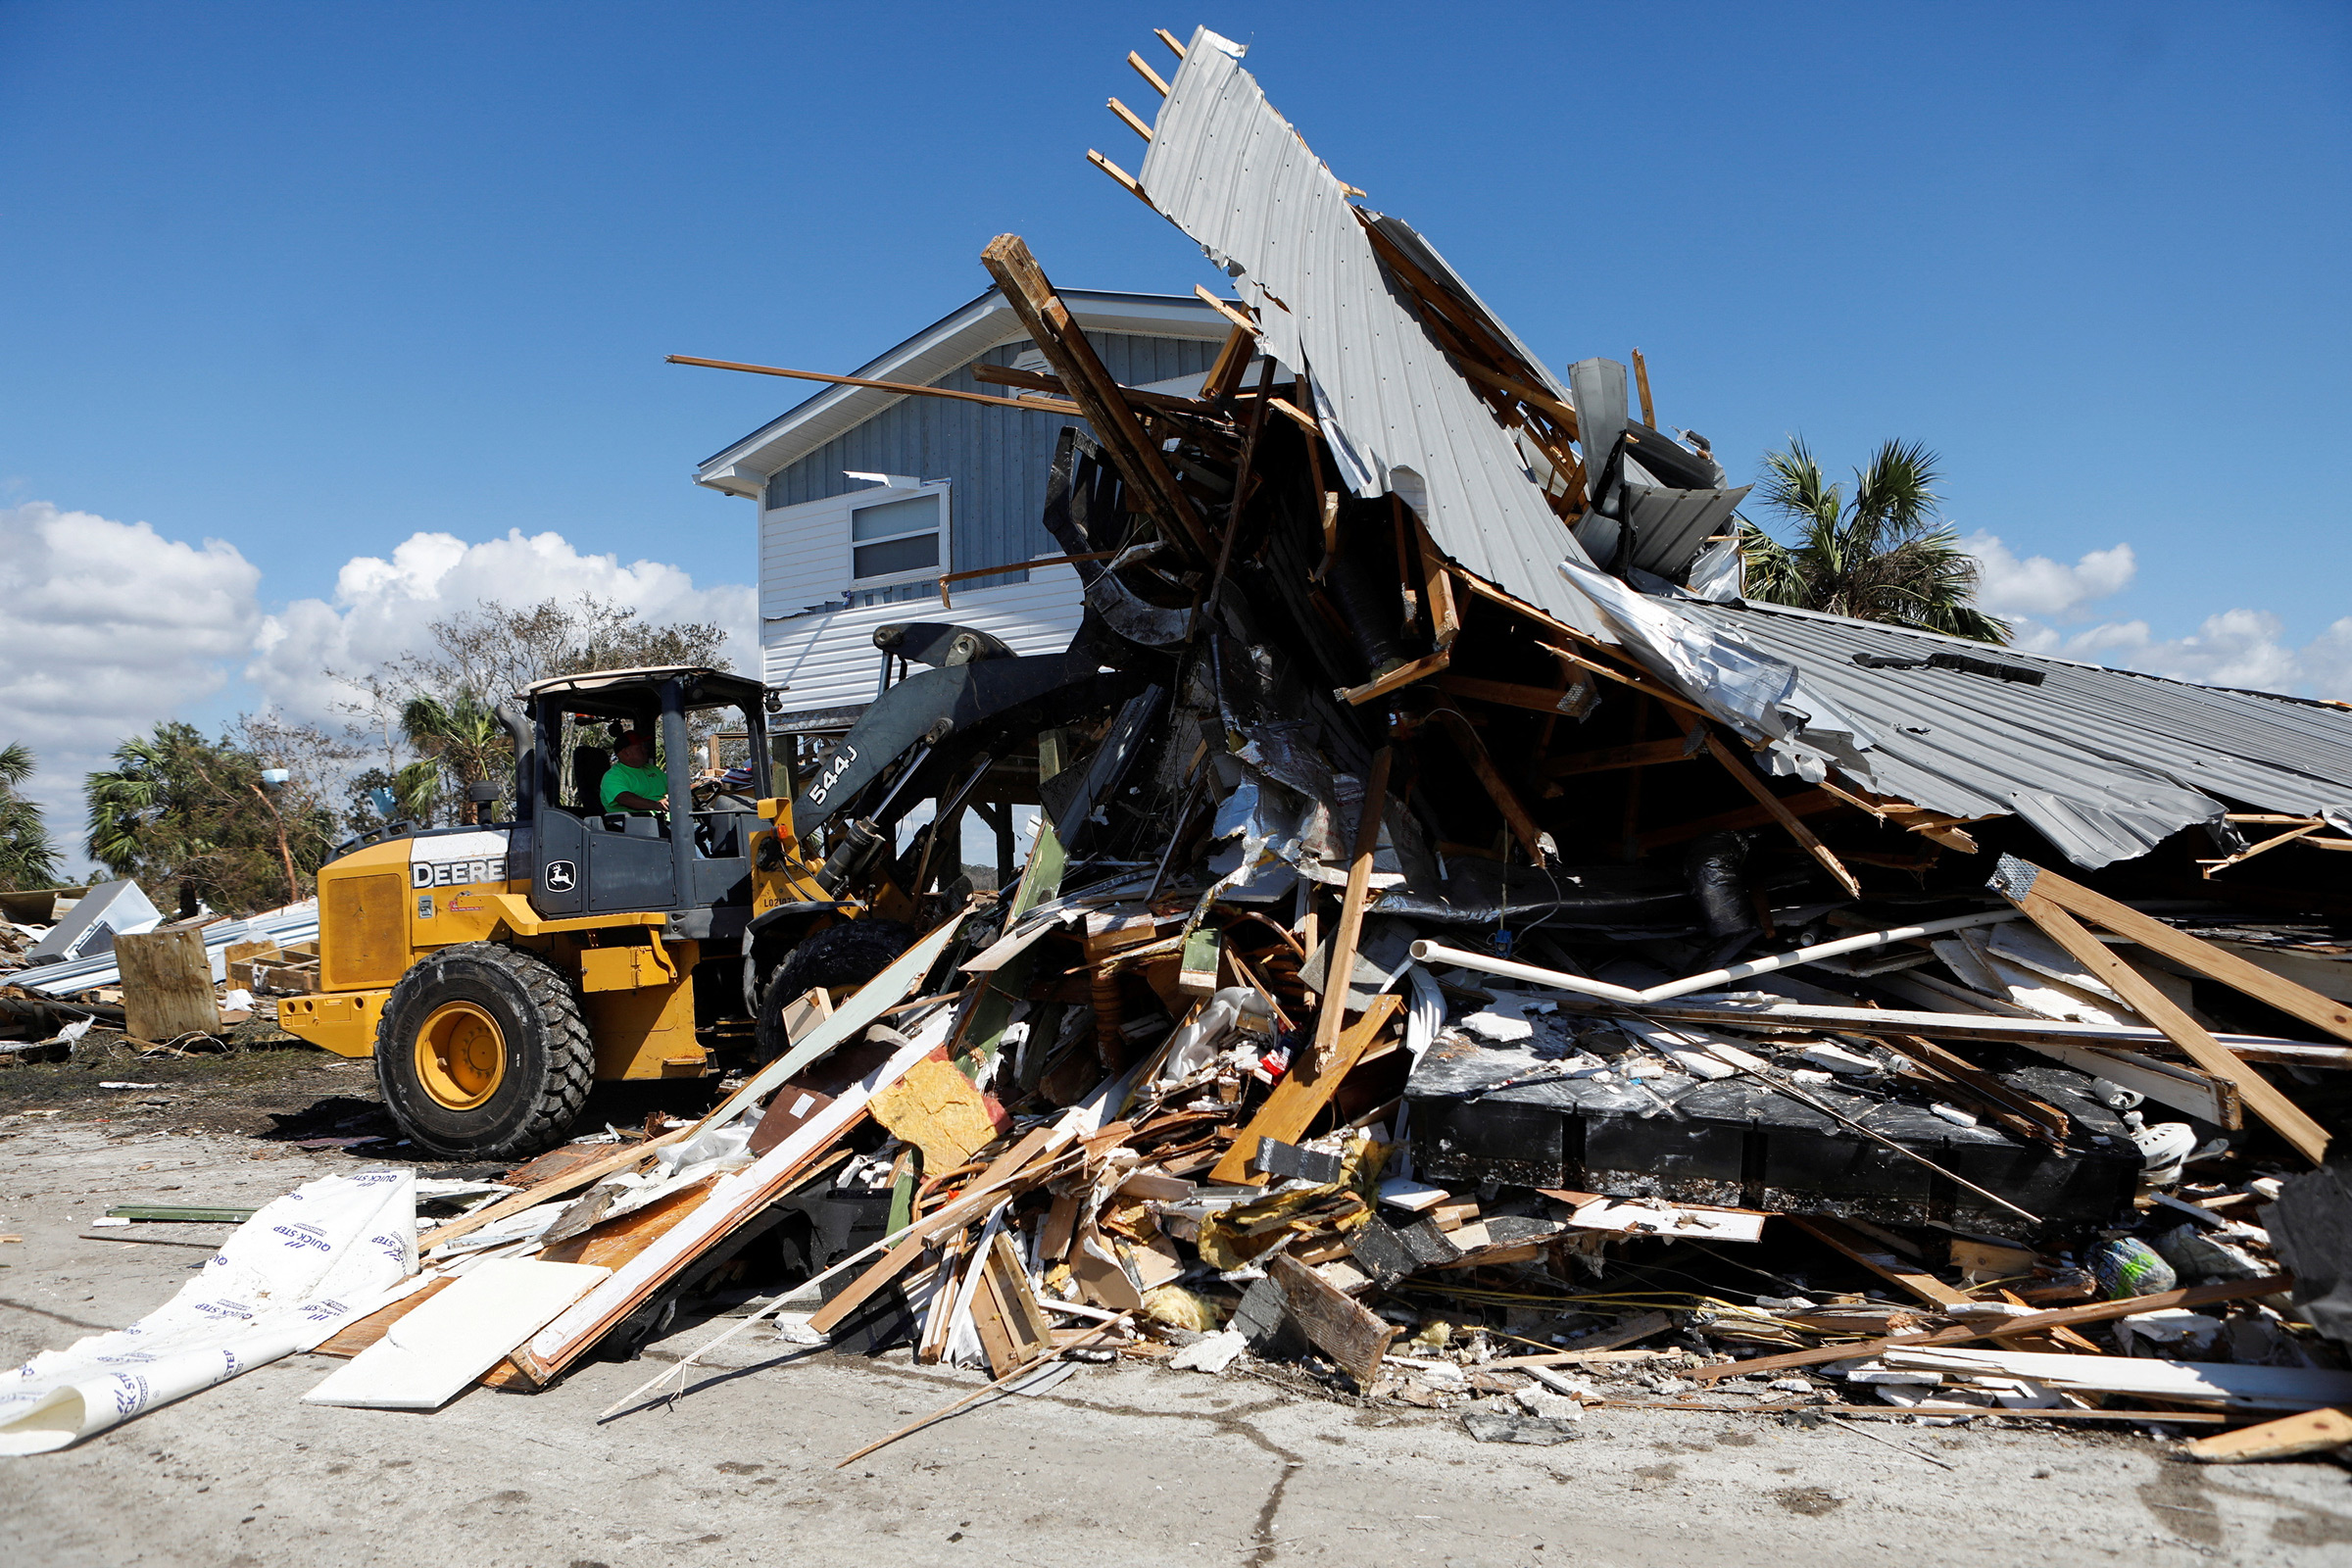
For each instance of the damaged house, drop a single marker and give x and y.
(1467, 944)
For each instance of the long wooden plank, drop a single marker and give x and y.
(1490, 778)
(1339, 977)
(1402, 675)
(2259, 1094)
(1303, 1092)
(903, 389)
(2063, 1317)
(1780, 814)
(736, 1199)
(1508, 694)
(2194, 953)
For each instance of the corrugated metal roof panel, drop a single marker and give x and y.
(2104, 763)
(1233, 174)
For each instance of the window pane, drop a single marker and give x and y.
(894, 518)
(897, 555)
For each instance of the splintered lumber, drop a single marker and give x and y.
(1570, 700)
(1051, 326)
(907, 1244)
(1402, 675)
(737, 1198)
(2053, 903)
(1352, 1335)
(167, 984)
(1780, 814)
(1368, 817)
(2194, 953)
(2038, 1322)
(2290, 1437)
(1304, 1090)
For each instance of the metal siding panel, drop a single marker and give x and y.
(1233, 174)
(2105, 763)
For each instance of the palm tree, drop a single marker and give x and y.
(461, 737)
(27, 857)
(1882, 556)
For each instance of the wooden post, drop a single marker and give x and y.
(1352, 908)
(167, 984)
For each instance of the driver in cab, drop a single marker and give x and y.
(632, 783)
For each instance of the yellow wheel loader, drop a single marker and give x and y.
(496, 971)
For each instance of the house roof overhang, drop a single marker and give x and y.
(743, 468)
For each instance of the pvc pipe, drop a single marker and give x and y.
(1431, 952)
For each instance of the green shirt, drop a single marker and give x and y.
(651, 783)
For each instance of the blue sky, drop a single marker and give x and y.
(313, 279)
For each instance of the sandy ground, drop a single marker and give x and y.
(1116, 1465)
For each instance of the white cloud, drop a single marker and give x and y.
(2040, 586)
(381, 608)
(106, 628)
(2244, 648)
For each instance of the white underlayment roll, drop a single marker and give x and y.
(308, 1263)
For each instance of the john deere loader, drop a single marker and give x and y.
(496, 971)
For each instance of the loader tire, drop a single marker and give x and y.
(846, 954)
(483, 1053)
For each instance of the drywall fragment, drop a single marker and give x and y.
(429, 1356)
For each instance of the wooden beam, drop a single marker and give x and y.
(1445, 617)
(1780, 814)
(1337, 979)
(1402, 675)
(1168, 39)
(1607, 758)
(2065, 1317)
(1491, 779)
(1057, 333)
(1569, 700)
(1134, 122)
(1139, 397)
(905, 388)
(1560, 413)
(1650, 414)
(2140, 995)
(1133, 187)
(1227, 309)
(1144, 71)
(2194, 953)
(1224, 377)
(1810, 803)
(1304, 1090)
(1643, 684)
(1352, 1335)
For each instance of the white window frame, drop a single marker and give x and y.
(817, 573)
(884, 494)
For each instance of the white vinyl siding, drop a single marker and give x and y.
(828, 660)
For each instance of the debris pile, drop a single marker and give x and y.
(72, 959)
(1470, 957)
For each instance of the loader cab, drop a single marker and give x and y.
(710, 742)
